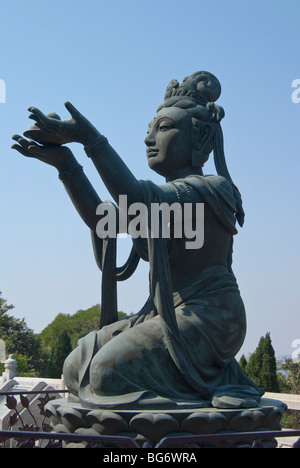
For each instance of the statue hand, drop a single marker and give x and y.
(58, 156)
(51, 129)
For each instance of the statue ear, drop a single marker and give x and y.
(202, 143)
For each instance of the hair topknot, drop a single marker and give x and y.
(201, 86)
(197, 95)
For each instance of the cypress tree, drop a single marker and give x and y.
(261, 367)
(243, 362)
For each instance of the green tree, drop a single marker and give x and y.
(289, 375)
(76, 325)
(61, 349)
(261, 367)
(289, 382)
(243, 362)
(61, 336)
(4, 318)
(21, 341)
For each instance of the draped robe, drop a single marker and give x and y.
(179, 350)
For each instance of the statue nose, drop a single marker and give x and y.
(149, 140)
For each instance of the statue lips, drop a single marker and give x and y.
(151, 152)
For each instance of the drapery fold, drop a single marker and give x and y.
(180, 347)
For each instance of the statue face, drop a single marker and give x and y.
(169, 141)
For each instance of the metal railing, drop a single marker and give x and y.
(28, 439)
(35, 436)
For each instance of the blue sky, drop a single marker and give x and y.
(113, 61)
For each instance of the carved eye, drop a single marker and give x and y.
(164, 126)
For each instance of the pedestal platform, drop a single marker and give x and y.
(149, 427)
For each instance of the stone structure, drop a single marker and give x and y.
(176, 355)
(150, 427)
(11, 367)
(30, 415)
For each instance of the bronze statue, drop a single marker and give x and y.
(179, 350)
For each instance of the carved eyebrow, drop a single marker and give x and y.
(156, 122)
(166, 119)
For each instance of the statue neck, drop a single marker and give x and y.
(182, 173)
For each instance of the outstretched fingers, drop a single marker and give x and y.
(21, 150)
(25, 147)
(36, 114)
(44, 122)
(73, 111)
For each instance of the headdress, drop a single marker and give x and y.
(201, 86)
(203, 89)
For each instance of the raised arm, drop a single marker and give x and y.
(117, 177)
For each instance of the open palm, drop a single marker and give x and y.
(58, 156)
(51, 129)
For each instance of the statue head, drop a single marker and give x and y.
(196, 95)
(191, 106)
